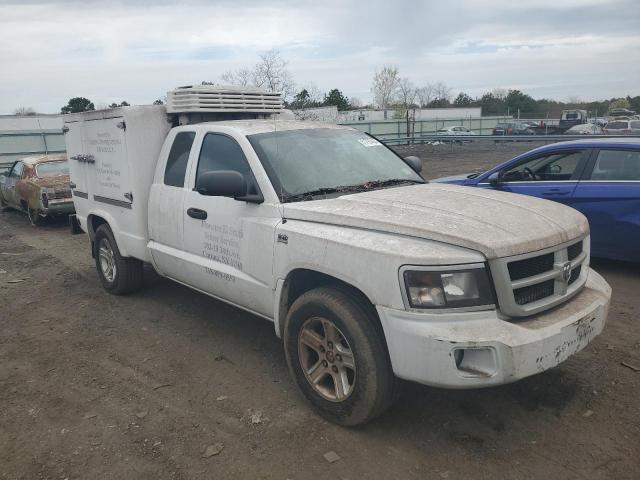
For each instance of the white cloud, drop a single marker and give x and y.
(136, 51)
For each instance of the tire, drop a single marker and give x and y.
(369, 388)
(119, 275)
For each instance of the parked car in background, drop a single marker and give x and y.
(39, 186)
(598, 177)
(458, 130)
(585, 129)
(620, 112)
(623, 127)
(512, 128)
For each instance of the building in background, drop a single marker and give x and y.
(22, 136)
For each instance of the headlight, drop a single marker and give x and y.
(448, 288)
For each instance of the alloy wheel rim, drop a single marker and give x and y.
(107, 260)
(326, 359)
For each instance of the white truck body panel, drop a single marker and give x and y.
(112, 176)
(244, 253)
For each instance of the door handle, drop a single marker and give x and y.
(197, 213)
(555, 191)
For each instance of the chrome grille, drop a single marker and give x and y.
(529, 283)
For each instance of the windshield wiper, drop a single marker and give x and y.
(362, 187)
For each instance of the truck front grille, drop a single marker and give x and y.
(530, 266)
(527, 284)
(533, 293)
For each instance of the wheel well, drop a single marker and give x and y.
(93, 222)
(302, 280)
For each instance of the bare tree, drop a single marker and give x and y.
(241, 78)
(441, 92)
(499, 93)
(355, 102)
(24, 111)
(424, 94)
(385, 85)
(407, 93)
(270, 73)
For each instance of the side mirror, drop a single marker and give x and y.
(414, 162)
(223, 183)
(494, 179)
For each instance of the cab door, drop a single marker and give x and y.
(609, 196)
(229, 243)
(166, 200)
(9, 184)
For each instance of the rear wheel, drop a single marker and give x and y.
(119, 275)
(338, 358)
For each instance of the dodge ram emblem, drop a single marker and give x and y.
(566, 272)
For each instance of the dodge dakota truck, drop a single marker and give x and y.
(370, 275)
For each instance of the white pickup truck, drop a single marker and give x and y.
(369, 274)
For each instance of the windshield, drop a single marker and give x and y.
(309, 160)
(52, 169)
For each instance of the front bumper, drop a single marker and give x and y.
(479, 349)
(59, 207)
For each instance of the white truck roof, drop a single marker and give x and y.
(251, 127)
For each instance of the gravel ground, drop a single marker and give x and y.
(168, 383)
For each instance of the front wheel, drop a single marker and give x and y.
(337, 356)
(119, 275)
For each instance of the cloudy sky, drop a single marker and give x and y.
(137, 50)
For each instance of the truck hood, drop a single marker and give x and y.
(497, 224)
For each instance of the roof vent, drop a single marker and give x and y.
(221, 99)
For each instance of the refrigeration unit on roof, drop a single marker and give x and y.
(220, 99)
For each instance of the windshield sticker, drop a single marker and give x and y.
(369, 142)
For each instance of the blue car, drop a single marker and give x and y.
(598, 177)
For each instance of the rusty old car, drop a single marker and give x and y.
(39, 186)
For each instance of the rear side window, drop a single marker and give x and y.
(617, 165)
(17, 170)
(178, 158)
(635, 125)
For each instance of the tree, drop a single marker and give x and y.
(270, 74)
(463, 100)
(122, 104)
(441, 94)
(518, 102)
(384, 86)
(355, 102)
(241, 78)
(24, 111)
(78, 104)
(335, 97)
(306, 98)
(492, 105)
(406, 96)
(620, 103)
(634, 103)
(159, 101)
(424, 95)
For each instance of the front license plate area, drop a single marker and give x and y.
(576, 336)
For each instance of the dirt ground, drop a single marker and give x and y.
(94, 386)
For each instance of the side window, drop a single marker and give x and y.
(555, 167)
(178, 158)
(17, 170)
(220, 152)
(617, 165)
